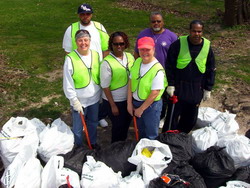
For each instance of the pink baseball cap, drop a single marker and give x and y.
(146, 42)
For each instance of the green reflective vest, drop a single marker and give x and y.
(119, 77)
(184, 57)
(81, 73)
(103, 35)
(143, 83)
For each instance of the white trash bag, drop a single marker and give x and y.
(203, 139)
(55, 140)
(151, 157)
(12, 172)
(13, 137)
(225, 124)
(30, 175)
(236, 184)
(206, 115)
(54, 174)
(132, 181)
(96, 174)
(38, 124)
(238, 147)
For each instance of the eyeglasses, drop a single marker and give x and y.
(154, 21)
(119, 43)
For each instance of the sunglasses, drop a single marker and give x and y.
(119, 43)
(154, 21)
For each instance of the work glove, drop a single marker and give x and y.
(206, 95)
(77, 106)
(170, 90)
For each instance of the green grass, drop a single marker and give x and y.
(241, 68)
(31, 34)
(238, 67)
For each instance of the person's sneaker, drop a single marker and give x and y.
(103, 123)
(161, 123)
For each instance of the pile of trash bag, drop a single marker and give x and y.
(36, 155)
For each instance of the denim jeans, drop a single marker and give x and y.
(91, 119)
(148, 123)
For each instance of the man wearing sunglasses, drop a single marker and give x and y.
(99, 35)
(163, 38)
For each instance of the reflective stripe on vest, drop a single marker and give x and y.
(81, 74)
(184, 57)
(119, 73)
(143, 84)
(103, 35)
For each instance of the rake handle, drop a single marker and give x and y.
(85, 130)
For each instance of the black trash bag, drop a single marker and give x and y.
(168, 180)
(214, 165)
(242, 174)
(248, 134)
(76, 157)
(65, 186)
(1, 168)
(180, 144)
(186, 172)
(116, 156)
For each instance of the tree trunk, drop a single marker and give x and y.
(236, 12)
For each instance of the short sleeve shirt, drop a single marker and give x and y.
(162, 41)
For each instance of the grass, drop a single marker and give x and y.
(31, 34)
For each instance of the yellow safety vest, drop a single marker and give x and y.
(103, 34)
(143, 83)
(119, 73)
(81, 73)
(184, 57)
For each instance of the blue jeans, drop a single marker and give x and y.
(148, 123)
(91, 119)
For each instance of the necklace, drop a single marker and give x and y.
(156, 38)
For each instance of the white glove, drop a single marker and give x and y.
(170, 90)
(77, 106)
(206, 95)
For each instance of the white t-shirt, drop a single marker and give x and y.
(105, 76)
(158, 81)
(88, 95)
(95, 43)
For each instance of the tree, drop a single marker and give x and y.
(236, 12)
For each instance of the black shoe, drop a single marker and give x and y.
(95, 146)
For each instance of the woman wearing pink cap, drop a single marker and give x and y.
(146, 85)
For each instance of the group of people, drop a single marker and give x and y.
(100, 78)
